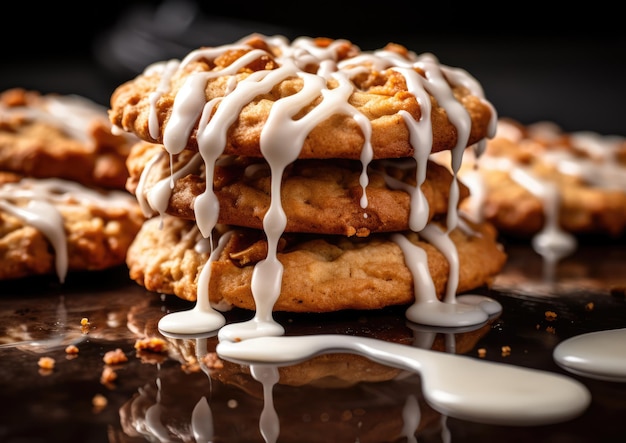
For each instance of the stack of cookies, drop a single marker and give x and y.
(63, 205)
(295, 176)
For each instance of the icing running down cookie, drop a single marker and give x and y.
(50, 226)
(63, 203)
(539, 182)
(309, 99)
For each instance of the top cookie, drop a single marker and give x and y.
(61, 136)
(311, 98)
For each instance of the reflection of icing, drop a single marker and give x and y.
(283, 135)
(458, 386)
(411, 416)
(41, 202)
(269, 424)
(600, 355)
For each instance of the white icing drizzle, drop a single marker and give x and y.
(599, 169)
(72, 114)
(282, 137)
(203, 317)
(38, 202)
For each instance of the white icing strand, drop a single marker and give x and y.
(438, 87)
(38, 202)
(46, 218)
(190, 101)
(146, 209)
(203, 317)
(427, 309)
(159, 194)
(441, 240)
(72, 114)
(166, 70)
(421, 134)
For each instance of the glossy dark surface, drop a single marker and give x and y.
(531, 70)
(39, 317)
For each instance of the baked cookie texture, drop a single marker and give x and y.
(378, 93)
(318, 196)
(68, 228)
(61, 136)
(63, 202)
(529, 172)
(321, 273)
(311, 156)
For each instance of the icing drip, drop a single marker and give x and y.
(598, 167)
(40, 203)
(282, 138)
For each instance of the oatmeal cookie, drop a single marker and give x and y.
(325, 98)
(321, 273)
(61, 136)
(530, 172)
(50, 226)
(318, 196)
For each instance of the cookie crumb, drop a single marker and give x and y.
(482, 352)
(46, 363)
(152, 344)
(99, 402)
(71, 350)
(212, 361)
(115, 357)
(589, 306)
(108, 375)
(506, 351)
(550, 315)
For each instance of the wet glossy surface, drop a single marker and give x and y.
(157, 394)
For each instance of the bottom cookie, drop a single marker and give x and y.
(320, 273)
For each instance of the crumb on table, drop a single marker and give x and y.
(115, 357)
(152, 344)
(46, 363)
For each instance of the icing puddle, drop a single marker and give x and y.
(600, 355)
(455, 385)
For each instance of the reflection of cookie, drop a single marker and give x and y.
(318, 196)
(588, 172)
(349, 397)
(245, 84)
(53, 225)
(320, 273)
(60, 136)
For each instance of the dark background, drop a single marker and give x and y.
(535, 62)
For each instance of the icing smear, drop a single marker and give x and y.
(282, 138)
